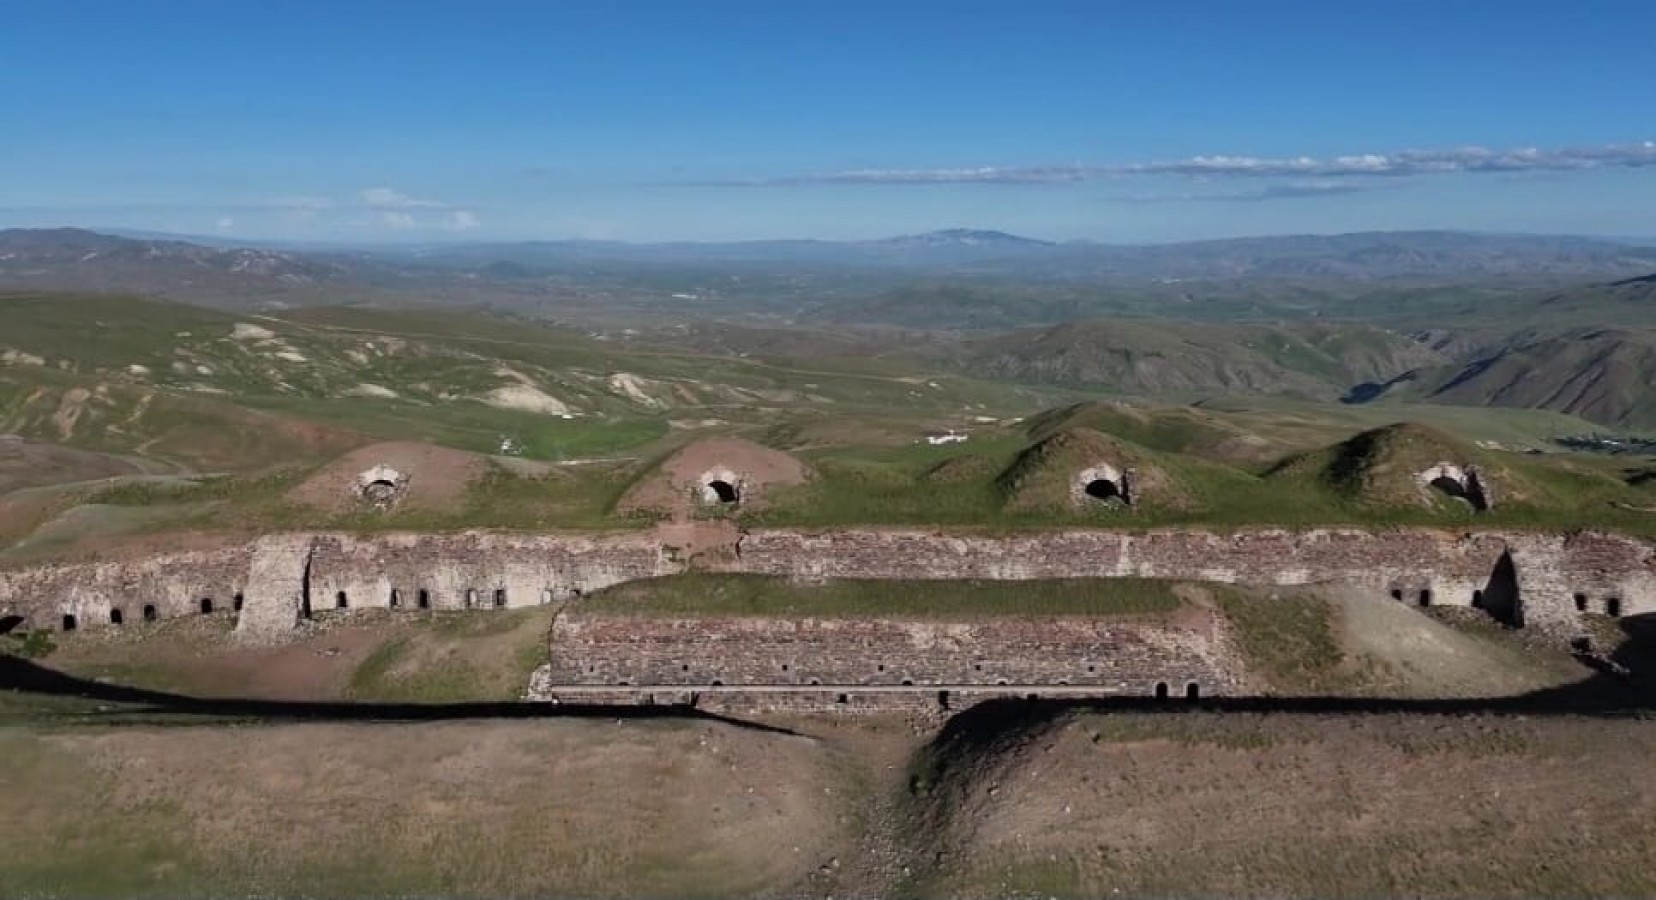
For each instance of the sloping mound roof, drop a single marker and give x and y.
(674, 485)
(1177, 429)
(433, 477)
(1383, 467)
(1044, 476)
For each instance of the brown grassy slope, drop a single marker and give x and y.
(1286, 805)
(464, 809)
(1603, 375)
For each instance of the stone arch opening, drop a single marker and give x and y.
(237, 601)
(395, 599)
(471, 598)
(341, 600)
(150, 613)
(843, 699)
(206, 606)
(423, 599)
(1500, 595)
(500, 598)
(1580, 602)
(115, 616)
(1463, 484)
(69, 623)
(1477, 599)
(723, 491)
(908, 682)
(1397, 594)
(1425, 597)
(943, 700)
(1613, 607)
(546, 596)
(380, 486)
(718, 683)
(9, 624)
(1161, 690)
(1102, 483)
(1193, 691)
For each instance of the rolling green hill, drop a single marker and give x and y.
(1183, 358)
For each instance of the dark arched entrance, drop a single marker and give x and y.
(1500, 595)
(1103, 489)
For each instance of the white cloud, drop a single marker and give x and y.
(1398, 163)
(462, 220)
(226, 223)
(389, 198)
(400, 221)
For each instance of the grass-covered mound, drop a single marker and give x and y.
(1174, 429)
(1044, 476)
(1381, 468)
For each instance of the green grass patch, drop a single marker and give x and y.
(1288, 639)
(764, 595)
(456, 657)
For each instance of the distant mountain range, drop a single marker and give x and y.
(1374, 255)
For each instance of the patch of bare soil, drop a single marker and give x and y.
(1299, 805)
(28, 463)
(673, 487)
(1411, 654)
(438, 477)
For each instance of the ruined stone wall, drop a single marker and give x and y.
(1114, 655)
(476, 569)
(1413, 565)
(86, 594)
(271, 581)
(278, 575)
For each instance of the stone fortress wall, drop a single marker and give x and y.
(1125, 655)
(273, 583)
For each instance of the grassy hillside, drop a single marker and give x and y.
(1179, 358)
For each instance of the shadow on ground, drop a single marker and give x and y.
(21, 675)
(1622, 685)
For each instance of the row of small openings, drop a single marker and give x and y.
(1423, 598)
(422, 599)
(117, 616)
(1192, 691)
(1612, 605)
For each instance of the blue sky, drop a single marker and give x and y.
(1151, 121)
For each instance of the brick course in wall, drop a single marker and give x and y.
(1126, 656)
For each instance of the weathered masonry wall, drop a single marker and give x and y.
(1115, 656)
(272, 581)
(474, 571)
(1553, 576)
